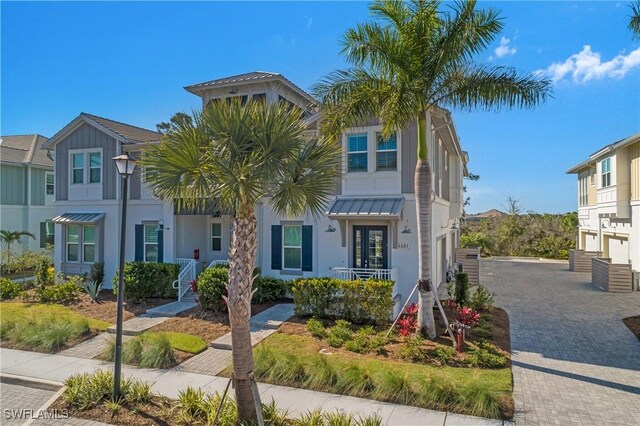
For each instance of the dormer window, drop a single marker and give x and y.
(357, 153)
(86, 167)
(605, 171)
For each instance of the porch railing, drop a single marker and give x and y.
(218, 262)
(186, 275)
(363, 273)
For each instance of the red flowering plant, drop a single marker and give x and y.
(408, 323)
(193, 285)
(465, 319)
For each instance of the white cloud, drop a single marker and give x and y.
(587, 65)
(504, 49)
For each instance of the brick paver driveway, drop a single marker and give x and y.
(574, 361)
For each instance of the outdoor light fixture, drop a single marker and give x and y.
(126, 166)
(161, 224)
(454, 225)
(330, 228)
(406, 230)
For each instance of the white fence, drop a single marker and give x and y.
(363, 273)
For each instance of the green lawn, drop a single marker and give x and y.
(22, 311)
(293, 360)
(185, 342)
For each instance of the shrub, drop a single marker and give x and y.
(320, 374)
(316, 328)
(479, 399)
(444, 354)
(44, 334)
(9, 289)
(354, 380)
(339, 333)
(356, 301)
(42, 274)
(268, 289)
(408, 322)
(482, 299)
(462, 288)
(486, 356)
(413, 350)
(60, 293)
(88, 390)
(95, 280)
(438, 392)
(212, 286)
(359, 344)
(393, 386)
(144, 280)
(147, 350)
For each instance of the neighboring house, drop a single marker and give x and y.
(27, 190)
(369, 228)
(609, 202)
(489, 214)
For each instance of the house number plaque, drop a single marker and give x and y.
(402, 246)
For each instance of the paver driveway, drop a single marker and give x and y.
(574, 361)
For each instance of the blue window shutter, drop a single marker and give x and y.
(160, 245)
(139, 242)
(307, 248)
(43, 234)
(276, 247)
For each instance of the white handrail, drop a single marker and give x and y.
(186, 275)
(362, 273)
(217, 262)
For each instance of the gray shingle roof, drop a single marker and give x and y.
(24, 149)
(377, 207)
(127, 131)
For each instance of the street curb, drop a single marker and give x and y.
(14, 379)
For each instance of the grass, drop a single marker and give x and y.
(186, 342)
(13, 311)
(294, 360)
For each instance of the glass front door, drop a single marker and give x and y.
(370, 247)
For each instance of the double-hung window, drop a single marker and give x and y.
(86, 167)
(216, 237)
(49, 183)
(81, 243)
(292, 247)
(386, 153)
(357, 153)
(151, 242)
(605, 166)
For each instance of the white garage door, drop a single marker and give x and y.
(590, 241)
(619, 249)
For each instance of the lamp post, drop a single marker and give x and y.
(125, 165)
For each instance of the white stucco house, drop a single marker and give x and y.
(27, 190)
(609, 202)
(370, 222)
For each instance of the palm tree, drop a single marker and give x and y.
(411, 60)
(239, 155)
(634, 21)
(11, 237)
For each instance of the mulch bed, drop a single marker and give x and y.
(633, 323)
(105, 308)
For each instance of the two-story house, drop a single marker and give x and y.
(369, 227)
(27, 190)
(609, 202)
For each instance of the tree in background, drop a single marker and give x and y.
(237, 155)
(12, 237)
(634, 21)
(414, 57)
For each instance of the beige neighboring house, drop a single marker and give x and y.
(489, 214)
(27, 188)
(609, 202)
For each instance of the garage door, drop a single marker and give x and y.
(590, 241)
(618, 249)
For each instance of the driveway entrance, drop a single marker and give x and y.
(574, 361)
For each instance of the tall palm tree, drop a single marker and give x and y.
(634, 21)
(239, 155)
(11, 237)
(413, 58)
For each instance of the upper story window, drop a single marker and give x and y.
(386, 153)
(216, 237)
(605, 167)
(86, 167)
(259, 97)
(357, 153)
(49, 183)
(151, 242)
(292, 247)
(582, 190)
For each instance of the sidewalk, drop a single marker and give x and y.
(57, 368)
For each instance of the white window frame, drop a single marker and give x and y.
(78, 243)
(84, 243)
(366, 151)
(72, 168)
(145, 243)
(606, 174)
(86, 166)
(219, 237)
(284, 267)
(46, 184)
(386, 150)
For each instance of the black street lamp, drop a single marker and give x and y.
(125, 165)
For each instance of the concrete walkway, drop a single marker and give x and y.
(58, 368)
(574, 361)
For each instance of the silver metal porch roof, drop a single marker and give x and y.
(366, 207)
(78, 218)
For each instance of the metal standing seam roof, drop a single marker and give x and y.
(78, 218)
(377, 207)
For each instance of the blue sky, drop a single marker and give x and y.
(130, 61)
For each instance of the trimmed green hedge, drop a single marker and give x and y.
(356, 301)
(212, 286)
(146, 280)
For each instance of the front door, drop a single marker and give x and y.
(370, 247)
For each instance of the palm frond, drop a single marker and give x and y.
(634, 20)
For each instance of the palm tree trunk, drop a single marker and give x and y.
(423, 189)
(241, 266)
